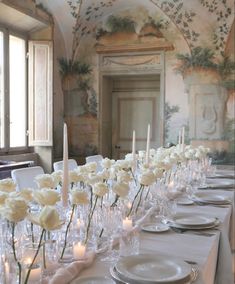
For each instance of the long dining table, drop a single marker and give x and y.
(208, 250)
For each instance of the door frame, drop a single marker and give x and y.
(113, 65)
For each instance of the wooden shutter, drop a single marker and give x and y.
(40, 93)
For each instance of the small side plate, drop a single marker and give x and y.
(154, 228)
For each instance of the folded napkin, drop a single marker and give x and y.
(66, 274)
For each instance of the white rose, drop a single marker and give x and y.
(27, 194)
(7, 185)
(75, 177)
(46, 196)
(129, 157)
(3, 197)
(141, 154)
(14, 210)
(91, 167)
(57, 176)
(123, 164)
(113, 172)
(93, 178)
(158, 172)
(199, 154)
(81, 169)
(147, 178)
(107, 163)
(79, 197)
(123, 176)
(47, 219)
(104, 175)
(100, 189)
(152, 152)
(45, 181)
(190, 154)
(121, 189)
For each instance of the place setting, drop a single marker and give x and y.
(223, 174)
(208, 198)
(185, 222)
(153, 269)
(218, 183)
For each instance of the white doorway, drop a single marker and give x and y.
(135, 104)
(131, 95)
(130, 103)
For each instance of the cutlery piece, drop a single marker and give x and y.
(199, 233)
(211, 204)
(115, 276)
(194, 274)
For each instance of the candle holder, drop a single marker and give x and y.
(79, 251)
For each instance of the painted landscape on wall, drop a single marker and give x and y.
(199, 71)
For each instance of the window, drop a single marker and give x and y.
(25, 93)
(13, 92)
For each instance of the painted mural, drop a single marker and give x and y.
(201, 66)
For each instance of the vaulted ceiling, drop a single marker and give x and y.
(199, 21)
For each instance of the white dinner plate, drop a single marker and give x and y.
(153, 269)
(220, 182)
(208, 197)
(196, 220)
(184, 201)
(199, 227)
(221, 175)
(94, 280)
(154, 228)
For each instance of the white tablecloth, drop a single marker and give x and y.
(204, 250)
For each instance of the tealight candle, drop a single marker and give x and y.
(127, 224)
(129, 205)
(79, 224)
(171, 185)
(35, 274)
(79, 251)
(7, 271)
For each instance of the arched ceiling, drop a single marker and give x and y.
(200, 18)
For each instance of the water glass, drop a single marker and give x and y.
(129, 243)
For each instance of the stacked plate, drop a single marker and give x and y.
(194, 222)
(210, 198)
(219, 184)
(151, 269)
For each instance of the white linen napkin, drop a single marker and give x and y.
(66, 274)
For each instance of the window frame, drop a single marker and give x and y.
(7, 32)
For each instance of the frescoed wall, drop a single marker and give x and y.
(199, 71)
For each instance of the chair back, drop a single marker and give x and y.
(97, 159)
(72, 164)
(25, 177)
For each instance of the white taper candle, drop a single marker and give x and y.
(65, 182)
(148, 145)
(133, 150)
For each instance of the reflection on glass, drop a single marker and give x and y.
(17, 92)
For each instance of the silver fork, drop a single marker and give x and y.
(194, 274)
